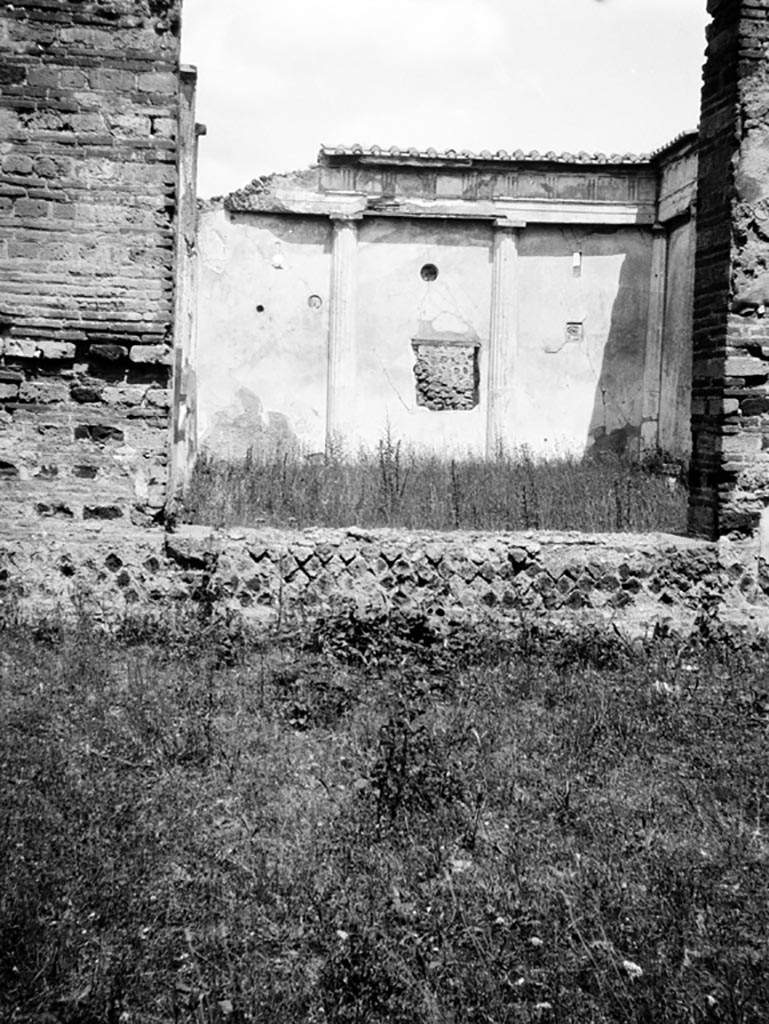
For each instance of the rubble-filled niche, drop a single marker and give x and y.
(446, 374)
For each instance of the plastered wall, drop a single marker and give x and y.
(262, 374)
(574, 392)
(395, 305)
(262, 329)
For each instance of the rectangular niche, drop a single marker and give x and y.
(446, 373)
(575, 331)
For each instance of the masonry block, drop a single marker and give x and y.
(56, 349)
(150, 354)
(17, 163)
(44, 391)
(108, 352)
(31, 209)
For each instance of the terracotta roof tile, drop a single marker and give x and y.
(691, 134)
(502, 155)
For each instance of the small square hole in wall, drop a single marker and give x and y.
(575, 331)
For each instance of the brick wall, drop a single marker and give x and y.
(730, 392)
(88, 125)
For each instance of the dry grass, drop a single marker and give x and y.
(395, 487)
(377, 823)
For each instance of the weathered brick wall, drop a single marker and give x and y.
(88, 125)
(730, 393)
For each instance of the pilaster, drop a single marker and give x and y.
(503, 334)
(654, 329)
(340, 393)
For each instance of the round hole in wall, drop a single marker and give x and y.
(429, 272)
(260, 308)
(315, 302)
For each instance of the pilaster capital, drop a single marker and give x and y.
(509, 224)
(345, 206)
(345, 217)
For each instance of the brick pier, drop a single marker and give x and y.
(89, 105)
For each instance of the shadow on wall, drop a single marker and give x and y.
(615, 424)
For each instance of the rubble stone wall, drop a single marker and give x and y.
(730, 391)
(88, 137)
(270, 577)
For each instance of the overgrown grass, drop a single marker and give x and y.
(381, 823)
(393, 487)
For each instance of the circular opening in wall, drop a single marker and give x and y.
(260, 308)
(429, 272)
(315, 302)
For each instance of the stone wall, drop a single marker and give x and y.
(730, 394)
(88, 147)
(289, 578)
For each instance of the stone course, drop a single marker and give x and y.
(88, 193)
(269, 577)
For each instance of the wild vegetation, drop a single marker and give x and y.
(379, 822)
(393, 486)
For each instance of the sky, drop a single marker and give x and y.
(278, 78)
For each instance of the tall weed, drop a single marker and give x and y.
(396, 486)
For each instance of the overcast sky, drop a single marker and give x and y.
(279, 77)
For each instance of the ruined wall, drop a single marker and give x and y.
(290, 578)
(88, 125)
(730, 396)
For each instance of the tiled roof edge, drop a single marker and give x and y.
(501, 155)
(677, 140)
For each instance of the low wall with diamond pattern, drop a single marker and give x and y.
(271, 577)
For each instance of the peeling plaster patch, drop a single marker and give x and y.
(248, 426)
